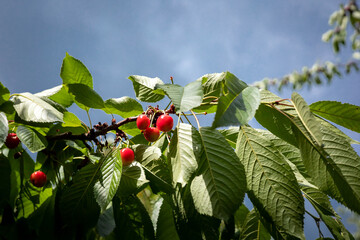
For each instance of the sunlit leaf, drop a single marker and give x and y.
(74, 71)
(144, 88)
(31, 138)
(124, 107)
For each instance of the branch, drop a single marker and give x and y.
(92, 134)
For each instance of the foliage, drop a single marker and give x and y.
(344, 20)
(191, 182)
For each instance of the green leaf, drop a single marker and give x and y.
(185, 148)
(71, 120)
(42, 220)
(322, 205)
(272, 186)
(106, 223)
(4, 94)
(155, 167)
(220, 187)
(77, 203)
(108, 182)
(144, 88)
(184, 98)
(4, 128)
(30, 199)
(240, 216)
(58, 94)
(253, 228)
(124, 107)
(238, 105)
(343, 114)
(74, 71)
(334, 168)
(131, 129)
(163, 220)
(33, 109)
(230, 135)
(31, 138)
(133, 180)
(306, 117)
(271, 117)
(132, 220)
(85, 97)
(212, 86)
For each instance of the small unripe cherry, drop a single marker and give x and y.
(12, 140)
(127, 156)
(142, 122)
(165, 123)
(38, 179)
(151, 134)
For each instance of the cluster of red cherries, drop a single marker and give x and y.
(163, 123)
(38, 178)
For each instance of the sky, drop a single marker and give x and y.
(184, 39)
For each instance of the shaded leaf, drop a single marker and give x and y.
(343, 114)
(164, 221)
(31, 138)
(133, 180)
(4, 94)
(253, 228)
(85, 97)
(144, 88)
(4, 128)
(106, 223)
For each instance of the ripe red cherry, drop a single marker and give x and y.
(164, 123)
(12, 140)
(142, 122)
(38, 179)
(127, 156)
(151, 134)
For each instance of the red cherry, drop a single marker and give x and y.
(127, 156)
(151, 134)
(12, 140)
(38, 179)
(142, 122)
(165, 123)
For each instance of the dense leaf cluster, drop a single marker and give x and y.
(191, 182)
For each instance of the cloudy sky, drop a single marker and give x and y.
(184, 39)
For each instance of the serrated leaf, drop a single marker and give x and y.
(220, 188)
(344, 114)
(322, 205)
(77, 203)
(306, 117)
(212, 86)
(108, 182)
(253, 228)
(85, 97)
(33, 109)
(144, 88)
(132, 220)
(31, 138)
(133, 180)
(184, 98)
(185, 148)
(164, 221)
(334, 168)
(272, 186)
(156, 169)
(57, 94)
(4, 128)
(74, 71)
(237, 105)
(124, 107)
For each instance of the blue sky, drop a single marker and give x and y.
(184, 39)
